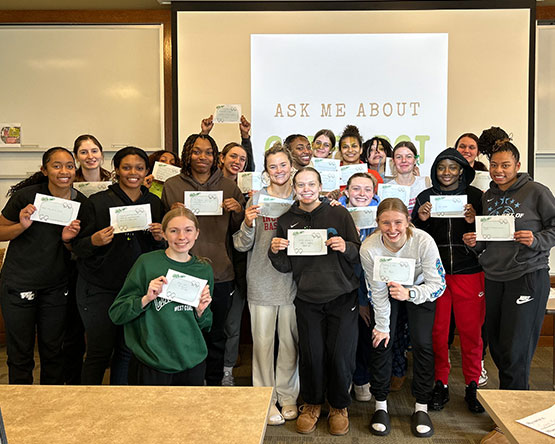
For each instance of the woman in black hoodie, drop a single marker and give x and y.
(105, 258)
(326, 303)
(451, 175)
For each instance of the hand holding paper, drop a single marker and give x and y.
(182, 288)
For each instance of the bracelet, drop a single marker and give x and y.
(66, 242)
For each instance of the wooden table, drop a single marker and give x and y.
(506, 406)
(550, 310)
(143, 415)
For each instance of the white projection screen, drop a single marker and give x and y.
(423, 75)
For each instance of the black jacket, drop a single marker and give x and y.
(108, 265)
(320, 279)
(448, 232)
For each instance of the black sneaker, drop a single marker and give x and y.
(470, 397)
(440, 396)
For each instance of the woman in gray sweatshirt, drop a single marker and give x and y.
(392, 286)
(270, 293)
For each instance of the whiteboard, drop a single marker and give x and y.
(63, 81)
(545, 89)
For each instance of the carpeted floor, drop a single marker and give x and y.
(454, 425)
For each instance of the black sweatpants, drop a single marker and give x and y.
(327, 347)
(421, 321)
(514, 314)
(28, 312)
(105, 343)
(216, 337)
(142, 374)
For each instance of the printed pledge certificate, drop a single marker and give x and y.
(307, 242)
(53, 210)
(495, 228)
(394, 269)
(182, 288)
(204, 203)
(130, 218)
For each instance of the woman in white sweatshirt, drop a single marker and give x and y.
(397, 238)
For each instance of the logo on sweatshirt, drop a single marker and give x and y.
(523, 299)
(504, 206)
(29, 295)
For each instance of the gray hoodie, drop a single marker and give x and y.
(265, 285)
(533, 206)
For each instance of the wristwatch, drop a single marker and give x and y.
(412, 294)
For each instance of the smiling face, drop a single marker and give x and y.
(301, 152)
(350, 150)
(60, 169)
(278, 168)
(235, 160)
(468, 147)
(448, 173)
(393, 225)
(404, 160)
(89, 155)
(181, 234)
(202, 156)
(131, 172)
(377, 155)
(321, 147)
(503, 169)
(307, 187)
(360, 192)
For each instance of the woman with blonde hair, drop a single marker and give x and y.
(396, 237)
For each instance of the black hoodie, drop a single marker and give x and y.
(107, 266)
(320, 279)
(448, 232)
(533, 207)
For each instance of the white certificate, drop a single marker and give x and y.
(204, 203)
(387, 190)
(448, 206)
(53, 210)
(163, 171)
(273, 207)
(348, 170)
(543, 421)
(495, 228)
(130, 218)
(307, 242)
(182, 288)
(227, 114)
(249, 181)
(90, 188)
(364, 217)
(330, 173)
(394, 269)
(481, 180)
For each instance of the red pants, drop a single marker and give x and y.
(465, 294)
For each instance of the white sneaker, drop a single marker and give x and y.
(362, 392)
(228, 380)
(483, 380)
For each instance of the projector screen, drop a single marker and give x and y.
(426, 76)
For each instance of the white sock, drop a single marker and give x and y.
(228, 369)
(421, 408)
(381, 405)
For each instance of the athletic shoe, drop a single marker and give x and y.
(483, 380)
(440, 397)
(228, 380)
(470, 397)
(362, 392)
